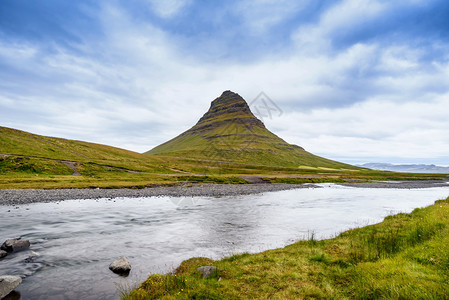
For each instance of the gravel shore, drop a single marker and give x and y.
(15, 197)
(418, 184)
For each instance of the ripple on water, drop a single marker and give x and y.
(76, 240)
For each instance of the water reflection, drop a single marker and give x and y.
(73, 242)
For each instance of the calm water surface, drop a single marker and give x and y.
(73, 242)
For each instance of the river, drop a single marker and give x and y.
(74, 241)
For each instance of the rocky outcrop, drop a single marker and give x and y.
(229, 107)
(228, 103)
(3, 253)
(120, 266)
(207, 271)
(15, 245)
(8, 284)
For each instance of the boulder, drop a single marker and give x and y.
(8, 284)
(15, 245)
(3, 253)
(207, 271)
(120, 266)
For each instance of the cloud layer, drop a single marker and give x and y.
(357, 81)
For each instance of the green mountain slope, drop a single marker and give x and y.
(230, 132)
(23, 151)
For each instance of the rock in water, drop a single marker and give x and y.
(8, 284)
(15, 245)
(207, 271)
(120, 266)
(3, 253)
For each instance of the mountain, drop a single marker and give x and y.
(230, 132)
(413, 168)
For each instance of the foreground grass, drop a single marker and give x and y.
(404, 257)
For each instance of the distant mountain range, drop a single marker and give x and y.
(411, 168)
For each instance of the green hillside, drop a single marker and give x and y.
(230, 132)
(33, 161)
(16, 143)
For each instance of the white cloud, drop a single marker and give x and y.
(168, 8)
(17, 52)
(375, 128)
(344, 16)
(399, 59)
(260, 15)
(350, 12)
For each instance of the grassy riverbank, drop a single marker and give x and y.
(404, 257)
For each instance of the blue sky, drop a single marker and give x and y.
(356, 80)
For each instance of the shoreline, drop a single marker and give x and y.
(418, 184)
(27, 196)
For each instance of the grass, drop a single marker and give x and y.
(33, 161)
(50, 150)
(404, 257)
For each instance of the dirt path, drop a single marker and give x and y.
(181, 171)
(72, 165)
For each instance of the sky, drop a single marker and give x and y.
(351, 80)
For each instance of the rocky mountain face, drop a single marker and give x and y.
(228, 107)
(227, 103)
(230, 132)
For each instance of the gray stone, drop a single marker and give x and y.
(207, 271)
(15, 245)
(3, 253)
(8, 284)
(120, 266)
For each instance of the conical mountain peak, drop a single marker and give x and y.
(229, 132)
(229, 99)
(229, 106)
